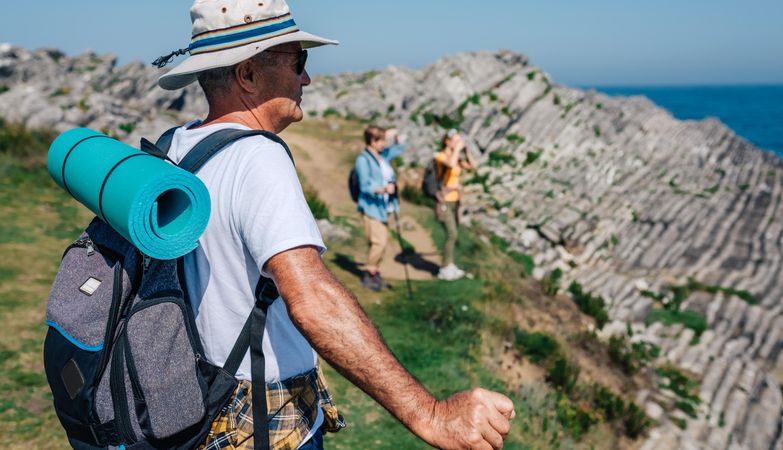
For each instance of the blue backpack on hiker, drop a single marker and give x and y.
(122, 354)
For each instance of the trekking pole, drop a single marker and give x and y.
(404, 255)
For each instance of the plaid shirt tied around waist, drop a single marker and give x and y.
(293, 409)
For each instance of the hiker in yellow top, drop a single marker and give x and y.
(449, 164)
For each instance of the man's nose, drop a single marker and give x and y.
(305, 78)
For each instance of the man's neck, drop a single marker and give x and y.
(246, 118)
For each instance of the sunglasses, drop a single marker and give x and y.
(301, 59)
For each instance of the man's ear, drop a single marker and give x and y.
(246, 74)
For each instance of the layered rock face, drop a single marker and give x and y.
(624, 199)
(45, 88)
(614, 192)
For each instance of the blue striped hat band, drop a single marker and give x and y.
(237, 36)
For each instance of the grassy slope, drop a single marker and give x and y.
(37, 221)
(451, 336)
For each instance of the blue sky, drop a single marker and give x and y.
(600, 42)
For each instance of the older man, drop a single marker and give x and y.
(249, 58)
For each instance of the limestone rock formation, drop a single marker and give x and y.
(45, 88)
(624, 199)
(615, 192)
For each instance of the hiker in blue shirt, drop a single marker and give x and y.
(377, 196)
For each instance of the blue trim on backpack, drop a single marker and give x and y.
(72, 340)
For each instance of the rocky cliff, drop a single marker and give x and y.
(675, 224)
(639, 208)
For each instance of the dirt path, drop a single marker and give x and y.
(324, 157)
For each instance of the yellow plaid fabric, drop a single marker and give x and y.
(293, 406)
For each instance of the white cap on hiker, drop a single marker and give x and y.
(227, 32)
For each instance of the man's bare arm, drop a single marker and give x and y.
(339, 330)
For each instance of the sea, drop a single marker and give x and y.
(753, 112)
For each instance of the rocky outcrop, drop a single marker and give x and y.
(615, 192)
(623, 198)
(45, 88)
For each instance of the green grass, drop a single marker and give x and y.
(537, 347)
(319, 209)
(630, 357)
(689, 319)
(417, 196)
(531, 157)
(515, 138)
(37, 221)
(523, 259)
(445, 356)
(128, 128)
(18, 141)
(683, 386)
(551, 283)
(331, 112)
(500, 158)
(61, 91)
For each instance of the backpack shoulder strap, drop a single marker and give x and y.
(164, 141)
(440, 168)
(251, 337)
(159, 149)
(219, 140)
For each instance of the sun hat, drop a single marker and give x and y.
(227, 32)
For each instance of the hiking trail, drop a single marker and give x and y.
(324, 160)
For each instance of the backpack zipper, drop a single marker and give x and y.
(117, 387)
(84, 242)
(90, 247)
(146, 261)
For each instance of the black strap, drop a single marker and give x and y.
(160, 149)
(164, 141)
(251, 337)
(258, 377)
(207, 148)
(266, 294)
(217, 141)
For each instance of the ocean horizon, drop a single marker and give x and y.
(754, 112)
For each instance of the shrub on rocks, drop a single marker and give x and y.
(593, 306)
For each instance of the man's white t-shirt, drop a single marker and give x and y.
(258, 211)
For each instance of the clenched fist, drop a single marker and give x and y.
(472, 420)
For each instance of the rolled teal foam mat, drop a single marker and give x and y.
(158, 207)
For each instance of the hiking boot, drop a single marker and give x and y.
(381, 282)
(370, 282)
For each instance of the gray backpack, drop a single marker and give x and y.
(122, 354)
(431, 182)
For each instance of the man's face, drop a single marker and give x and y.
(282, 85)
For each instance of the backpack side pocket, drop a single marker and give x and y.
(168, 391)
